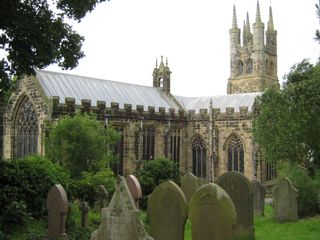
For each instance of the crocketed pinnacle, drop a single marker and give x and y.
(234, 18)
(258, 16)
(270, 23)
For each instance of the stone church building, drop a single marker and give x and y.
(205, 135)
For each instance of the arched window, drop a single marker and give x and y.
(240, 68)
(148, 143)
(249, 66)
(235, 155)
(199, 157)
(271, 68)
(117, 164)
(26, 130)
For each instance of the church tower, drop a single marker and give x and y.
(161, 76)
(253, 64)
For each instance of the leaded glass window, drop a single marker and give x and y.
(235, 155)
(199, 157)
(148, 143)
(26, 130)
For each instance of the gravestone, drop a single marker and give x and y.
(239, 188)
(103, 196)
(134, 188)
(189, 185)
(212, 214)
(84, 208)
(258, 197)
(167, 209)
(120, 221)
(285, 201)
(57, 206)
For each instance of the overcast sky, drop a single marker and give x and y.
(123, 38)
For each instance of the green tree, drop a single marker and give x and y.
(34, 34)
(81, 143)
(287, 125)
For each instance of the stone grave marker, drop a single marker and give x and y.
(103, 196)
(285, 201)
(239, 188)
(212, 214)
(258, 197)
(57, 206)
(167, 209)
(84, 208)
(120, 221)
(134, 188)
(189, 185)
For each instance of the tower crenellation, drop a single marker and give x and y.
(253, 64)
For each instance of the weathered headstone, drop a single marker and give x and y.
(84, 208)
(189, 185)
(212, 214)
(120, 221)
(239, 188)
(57, 206)
(103, 196)
(258, 197)
(134, 188)
(167, 208)
(285, 201)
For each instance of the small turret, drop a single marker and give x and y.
(247, 35)
(271, 35)
(161, 76)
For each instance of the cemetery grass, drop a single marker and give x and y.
(266, 228)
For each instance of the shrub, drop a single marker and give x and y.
(86, 187)
(153, 173)
(309, 188)
(24, 187)
(81, 143)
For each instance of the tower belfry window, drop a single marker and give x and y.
(161, 82)
(240, 68)
(249, 66)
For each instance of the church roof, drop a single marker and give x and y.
(222, 102)
(78, 87)
(64, 85)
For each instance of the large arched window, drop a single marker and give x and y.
(26, 130)
(235, 155)
(199, 157)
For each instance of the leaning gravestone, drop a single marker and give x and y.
(57, 206)
(167, 208)
(84, 208)
(239, 188)
(258, 197)
(134, 188)
(189, 185)
(285, 201)
(103, 196)
(120, 221)
(212, 214)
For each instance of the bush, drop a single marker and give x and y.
(86, 187)
(81, 143)
(309, 188)
(153, 173)
(24, 187)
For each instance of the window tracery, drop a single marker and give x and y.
(235, 155)
(199, 157)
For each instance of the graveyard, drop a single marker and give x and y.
(231, 208)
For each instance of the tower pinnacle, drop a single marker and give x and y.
(258, 16)
(270, 23)
(248, 23)
(234, 18)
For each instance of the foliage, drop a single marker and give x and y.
(309, 188)
(81, 143)
(85, 188)
(24, 187)
(287, 125)
(153, 173)
(35, 34)
(305, 229)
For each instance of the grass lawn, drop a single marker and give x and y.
(267, 229)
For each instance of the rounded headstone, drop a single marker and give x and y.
(189, 185)
(167, 208)
(258, 197)
(212, 214)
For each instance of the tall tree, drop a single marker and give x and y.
(34, 34)
(287, 126)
